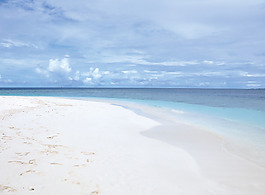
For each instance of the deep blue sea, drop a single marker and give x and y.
(227, 98)
(238, 114)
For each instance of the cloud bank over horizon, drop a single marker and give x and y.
(172, 43)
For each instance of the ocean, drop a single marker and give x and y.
(236, 114)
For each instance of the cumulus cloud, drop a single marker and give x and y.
(42, 71)
(77, 75)
(58, 70)
(94, 73)
(87, 80)
(59, 65)
(95, 76)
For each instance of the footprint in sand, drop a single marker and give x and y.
(56, 164)
(70, 157)
(5, 137)
(18, 133)
(29, 143)
(51, 137)
(23, 154)
(47, 152)
(54, 146)
(72, 181)
(82, 165)
(33, 161)
(14, 128)
(94, 192)
(28, 171)
(88, 153)
(7, 188)
(17, 161)
(29, 138)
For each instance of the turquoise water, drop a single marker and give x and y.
(240, 105)
(236, 114)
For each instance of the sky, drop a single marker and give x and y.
(132, 43)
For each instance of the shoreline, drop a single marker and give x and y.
(94, 147)
(179, 133)
(171, 117)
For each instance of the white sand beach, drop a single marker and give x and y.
(62, 146)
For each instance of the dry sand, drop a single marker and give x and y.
(62, 146)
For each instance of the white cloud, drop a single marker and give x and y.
(246, 74)
(253, 84)
(130, 71)
(11, 43)
(91, 76)
(141, 59)
(77, 75)
(59, 65)
(177, 63)
(0, 76)
(6, 45)
(95, 73)
(211, 74)
(204, 84)
(149, 71)
(208, 62)
(42, 71)
(174, 73)
(87, 80)
(106, 72)
(220, 63)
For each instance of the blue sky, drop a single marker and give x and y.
(133, 43)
